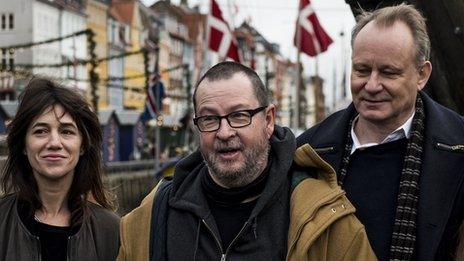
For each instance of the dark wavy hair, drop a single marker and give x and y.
(39, 95)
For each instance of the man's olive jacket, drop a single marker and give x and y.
(320, 224)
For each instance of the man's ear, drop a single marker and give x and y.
(424, 75)
(270, 119)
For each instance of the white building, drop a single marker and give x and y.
(45, 24)
(31, 21)
(73, 19)
(118, 38)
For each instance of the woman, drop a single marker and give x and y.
(54, 205)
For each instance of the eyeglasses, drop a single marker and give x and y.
(236, 119)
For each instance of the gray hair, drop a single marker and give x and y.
(409, 15)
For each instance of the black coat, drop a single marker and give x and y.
(441, 199)
(192, 233)
(96, 240)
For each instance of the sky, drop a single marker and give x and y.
(275, 20)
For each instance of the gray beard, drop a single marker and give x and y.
(255, 162)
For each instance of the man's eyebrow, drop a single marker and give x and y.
(207, 110)
(237, 107)
(360, 64)
(390, 67)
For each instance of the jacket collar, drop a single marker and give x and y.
(186, 194)
(306, 156)
(331, 136)
(324, 205)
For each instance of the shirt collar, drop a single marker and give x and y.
(401, 132)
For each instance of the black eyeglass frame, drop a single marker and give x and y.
(252, 113)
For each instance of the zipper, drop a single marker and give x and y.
(324, 149)
(68, 256)
(235, 238)
(218, 243)
(447, 147)
(39, 247)
(224, 255)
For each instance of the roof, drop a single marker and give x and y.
(167, 7)
(104, 115)
(127, 117)
(194, 21)
(122, 11)
(10, 108)
(258, 37)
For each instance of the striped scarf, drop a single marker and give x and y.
(404, 229)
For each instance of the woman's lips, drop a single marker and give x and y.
(53, 157)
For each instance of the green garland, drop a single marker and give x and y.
(94, 77)
(146, 69)
(29, 45)
(78, 61)
(93, 61)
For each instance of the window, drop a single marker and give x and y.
(11, 21)
(7, 61)
(7, 21)
(122, 34)
(3, 67)
(127, 34)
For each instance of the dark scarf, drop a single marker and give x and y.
(404, 229)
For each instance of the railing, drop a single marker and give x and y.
(130, 181)
(130, 189)
(128, 166)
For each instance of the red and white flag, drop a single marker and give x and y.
(313, 40)
(220, 37)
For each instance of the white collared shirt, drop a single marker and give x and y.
(401, 132)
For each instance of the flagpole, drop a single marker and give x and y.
(299, 74)
(232, 19)
(207, 41)
(343, 55)
(334, 86)
(316, 66)
(159, 117)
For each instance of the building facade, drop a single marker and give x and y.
(97, 20)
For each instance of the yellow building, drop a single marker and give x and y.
(134, 82)
(154, 31)
(97, 15)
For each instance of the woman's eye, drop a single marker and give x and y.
(68, 132)
(39, 131)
